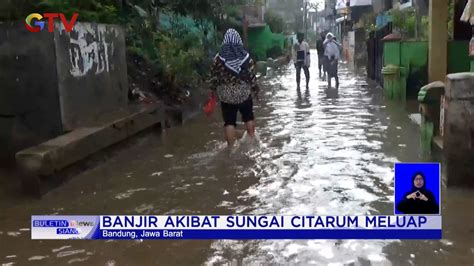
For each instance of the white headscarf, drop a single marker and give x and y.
(331, 49)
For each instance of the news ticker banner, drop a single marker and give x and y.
(235, 227)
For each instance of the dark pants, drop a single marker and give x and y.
(229, 112)
(331, 68)
(298, 67)
(321, 64)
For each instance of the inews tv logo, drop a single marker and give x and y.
(36, 22)
(62, 223)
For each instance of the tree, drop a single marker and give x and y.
(275, 22)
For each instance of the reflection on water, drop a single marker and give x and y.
(318, 152)
(332, 93)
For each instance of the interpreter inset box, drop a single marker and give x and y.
(417, 188)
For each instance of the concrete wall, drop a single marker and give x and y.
(55, 82)
(351, 48)
(459, 129)
(360, 49)
(29, 106)
(438, 40)
(92, 72)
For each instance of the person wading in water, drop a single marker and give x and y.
(234, 80)
(301, 59)
(332, 55)
(320, 48)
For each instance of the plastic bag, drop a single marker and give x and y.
(210, 105)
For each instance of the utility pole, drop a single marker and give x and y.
(245, 30)
(305, 23)
(417, 20)
(307, 7)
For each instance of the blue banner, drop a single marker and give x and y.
(243, 227)
(267, 234)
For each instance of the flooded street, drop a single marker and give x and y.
(320, 152)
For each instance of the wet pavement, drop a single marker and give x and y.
(320, 152)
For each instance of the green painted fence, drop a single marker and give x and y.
(458, 57)
(413, 55)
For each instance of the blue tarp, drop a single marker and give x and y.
(382, 20)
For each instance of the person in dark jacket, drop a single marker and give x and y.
(419, 200)
(320, 48)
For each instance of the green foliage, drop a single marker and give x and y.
(176, 54)
(398, 18)
(450, 20)
(275, 21)
(409, 23)
(424, 26)
(405, 22)
(369, 21)
(231, 22)
(179, 56)
(232, 11)
(89, 10)
(179, 60)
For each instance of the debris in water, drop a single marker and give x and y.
(226, 192)
(14, 234)
(70, 253)
(77, 260)
(157, 174)
(61, 248)
(415, 118)
(446, 242)
(167, 156)
(37, 258)
(129, 193)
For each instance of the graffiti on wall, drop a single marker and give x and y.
(90, 49)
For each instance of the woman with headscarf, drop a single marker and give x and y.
(332, 56)
(234, 80)
(419, 200)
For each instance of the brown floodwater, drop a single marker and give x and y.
(319, 152)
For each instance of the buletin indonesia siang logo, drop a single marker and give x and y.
(36, 22)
